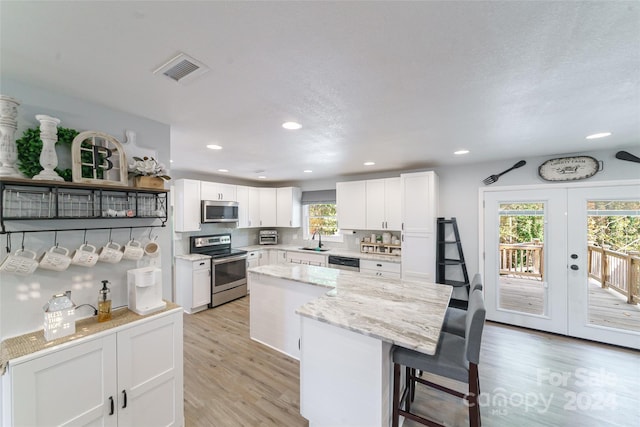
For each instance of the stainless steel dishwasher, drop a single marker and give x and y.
(344, 263)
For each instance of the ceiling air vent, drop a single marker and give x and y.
(182, 68)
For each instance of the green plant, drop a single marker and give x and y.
(29, 147)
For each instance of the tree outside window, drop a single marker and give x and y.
(321, 217)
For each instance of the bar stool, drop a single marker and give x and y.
(456, 358)
(455, 318)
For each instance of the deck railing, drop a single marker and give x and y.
(523, 259)
(618, 271)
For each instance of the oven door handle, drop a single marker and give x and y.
(229, 259)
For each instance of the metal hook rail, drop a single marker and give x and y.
(85, 229)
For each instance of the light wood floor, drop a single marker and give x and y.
(606, 307)
(231, 381)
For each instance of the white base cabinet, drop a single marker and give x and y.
(193, 284)
(130, 377)
(389, 270)
(277, 256)
(307, 259)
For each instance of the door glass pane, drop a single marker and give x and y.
(613, 255)
(521, 286)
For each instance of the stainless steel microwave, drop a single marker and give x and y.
(217, 211)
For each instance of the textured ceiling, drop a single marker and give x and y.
(403, 84)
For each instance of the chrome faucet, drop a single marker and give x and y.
(319, 237)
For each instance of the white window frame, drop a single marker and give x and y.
(307, 234)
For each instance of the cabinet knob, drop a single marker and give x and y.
(111, 404)
(124, 399)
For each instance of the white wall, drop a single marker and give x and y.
(22, 298)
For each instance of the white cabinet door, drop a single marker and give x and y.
(217, 191)
(419, 201)
(393, 204)
(351, 205)
(70, 387)
(375, 202)
(242, 194)
(201, 285)
(186, 211)
(383, 204)
(268, 209)
(277, 256)
(254, 207)
(150, 377)
(419, 192)
(289, 208)
(193, 284)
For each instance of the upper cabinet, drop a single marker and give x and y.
(248, 206)
(186, 212)
(257, 207)
(289, 209)
(419, 200)
(217, 191)
(351, 205)
(383, 210)
(268, 209)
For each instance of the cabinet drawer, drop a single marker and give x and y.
(382, 266)
(201, 265)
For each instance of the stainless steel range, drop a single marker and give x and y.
(228, 267)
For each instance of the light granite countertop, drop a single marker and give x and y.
(16, 347)
(193, 257)
(402, 312)
(331, 251)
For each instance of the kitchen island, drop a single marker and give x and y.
(346, 329)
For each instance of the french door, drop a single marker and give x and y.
(542, 271)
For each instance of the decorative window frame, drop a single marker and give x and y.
(117, 174)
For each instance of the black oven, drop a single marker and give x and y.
(228, 267)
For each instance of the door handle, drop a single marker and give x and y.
(112, 407)
(574, 267)
(124, 395)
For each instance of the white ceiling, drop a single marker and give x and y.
(403, 84)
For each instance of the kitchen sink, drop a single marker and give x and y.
(316, 249)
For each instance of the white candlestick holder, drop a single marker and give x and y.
(8, 127)
(48, 156)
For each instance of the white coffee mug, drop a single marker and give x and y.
(22, 262)
(133, 250)
(110, 253)
(57, 259)
(152, 249)
(85, 256)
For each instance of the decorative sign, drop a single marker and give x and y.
(568, 168)
(98, 158)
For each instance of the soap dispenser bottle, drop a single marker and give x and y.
(104, 303)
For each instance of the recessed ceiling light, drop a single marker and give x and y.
(369, 163)
(214, 147)
(307, 171)
(291, 125)
(598, 135)
(459, 152)
(262, 177)
(223, 170)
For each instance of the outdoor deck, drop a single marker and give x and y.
(606, 306)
